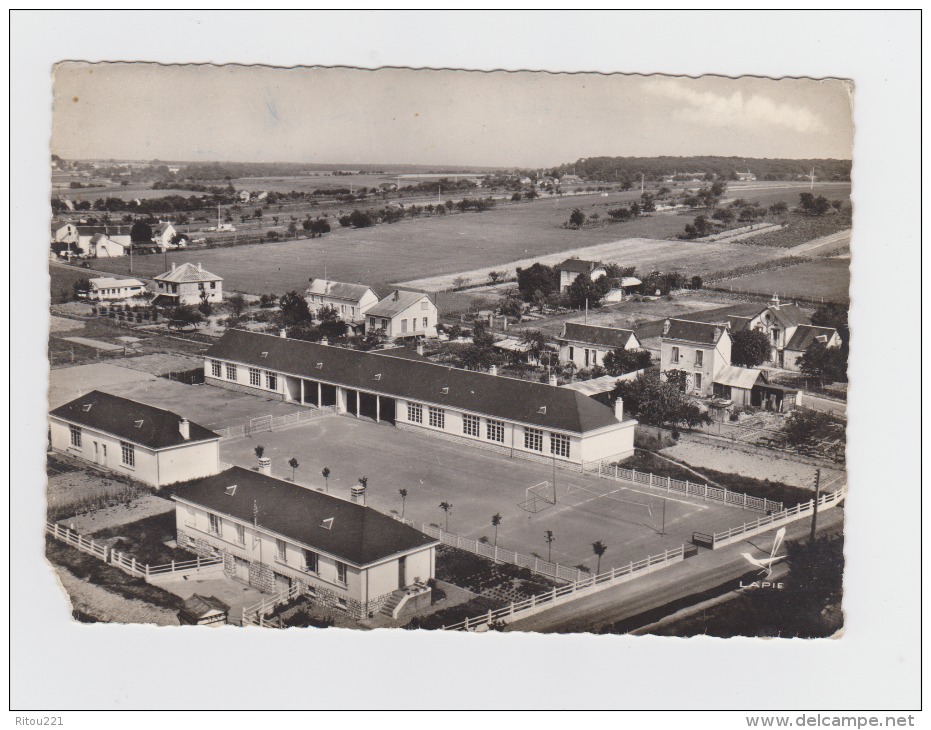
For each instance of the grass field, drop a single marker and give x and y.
(827, 279)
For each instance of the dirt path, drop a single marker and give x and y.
(109, 607)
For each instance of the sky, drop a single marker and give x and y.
(396, 116)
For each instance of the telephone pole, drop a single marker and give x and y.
(814, 513)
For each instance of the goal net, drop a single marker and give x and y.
(539, 497)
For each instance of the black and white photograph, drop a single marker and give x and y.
(443, 350)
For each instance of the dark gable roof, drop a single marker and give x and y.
(498, 397)
(591, 334)
(789, 315)
(359, 535)
(700, 332)
(805, 336)
(121, 417)
(580, 265)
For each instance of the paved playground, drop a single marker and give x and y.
(479, 484)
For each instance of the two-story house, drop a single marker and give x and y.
(352, 301)
(185, 284)
(585, 345)
(403, 314)
(571, 268)
(701, 349)
(162, 234)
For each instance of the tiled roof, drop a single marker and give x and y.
(395, 303)
(107, 282)
(358, 535)
(579, 265)
(737, 323)
(338, 290)
(789, 315)
(805, 336)
(612, 337)
(536, 404)
(130, 420)
(187, 272)
(106, 230)
(705, 333)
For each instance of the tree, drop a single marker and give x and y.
(583, 290)
(81, 286)
(621, 361)
(259, 451)
(536, 343)
(512, 307)
(697, 282)
(804, 427)
(577, 218)
(447, 508)
(326, 478)
(825, 363)
(237, 304)
(205, 307)
(811, 205)
(184, 316)
(294, 309)
(550, 539)
(494, 276)
(360, 219)
(460, 282)
(779, 209)
(495, 521)
(657, 402)
(403, 493)
(599, 548)
(538, 277)
(292, 462)
(140, 233)
(531, 195)
(725, 215)
(749, 348)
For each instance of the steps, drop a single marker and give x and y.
(392, 603)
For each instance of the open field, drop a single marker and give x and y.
(479, 483)
(827, 279)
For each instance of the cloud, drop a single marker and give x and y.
(749, 111)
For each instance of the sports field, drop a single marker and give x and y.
(827, 278)
(479, 484)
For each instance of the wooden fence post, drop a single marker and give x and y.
(467, 623)
(705, 495)
(134, 566)
(745, 501)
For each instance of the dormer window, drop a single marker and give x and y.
(445, 390)
(86, 407)
(378, 376)
(231, 490)
(264, 354)
(319, 366)
(327, 524)
(542, 410)
(139, 423)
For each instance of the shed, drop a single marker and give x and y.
(203, 611)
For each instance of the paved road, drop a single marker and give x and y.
(694, 575)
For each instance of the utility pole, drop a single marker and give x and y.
(664, 518)
(130, 255)
(814, 514)
(812, 187)
(642, 182)
(586, 310)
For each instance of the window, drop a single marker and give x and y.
(371, 321)
(559, 445)
(425, 325)
(775, 335)
(230, 372)
(129, 453)
(571, 352)
(437, 417)
(281, 550)
(424, 306)
(385, 323)
(403, 325)
(533, 439)
(675, 354)
(215, 368)
(697, 381)
(271, 381)
(213, 285)
(340, 572)
(494, 430)
(699, 358)
(255, 376)
(216, 525)
(76, 436)
(470, 425)
(310, 561)
(415, 412)
(190, 517)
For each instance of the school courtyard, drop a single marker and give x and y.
(627, 518)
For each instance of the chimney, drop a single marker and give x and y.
(185, 428)
(265, 466)
(420, 347)
(172, 265)
(493, 370)
(324, 340)
(666, 325)
(199, 267)
(283, 332)
(619, 409)
(357, 494)
(397, 295)
(553, 380)
(774, 302)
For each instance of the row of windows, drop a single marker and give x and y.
(494, 430)
(255, 375)
(413, 324)
(699, 356)
(128, 451)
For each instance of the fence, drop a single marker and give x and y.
(125, 562)
(768, 522)
(718, 494)
(532, 563)
(255, 615)
(262, 424)
(585, 586)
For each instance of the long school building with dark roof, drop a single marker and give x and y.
(517, 417)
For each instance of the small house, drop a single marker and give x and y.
(403, 314)
(188, 284)
(701, 349)
(571, 268)
(352, 301)
(585, 345)
(104, 247)
(111, 289)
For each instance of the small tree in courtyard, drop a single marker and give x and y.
(292, 462)
(447, 508)
(599, 548)
(326, 478)
(550, 539)
(495, 521)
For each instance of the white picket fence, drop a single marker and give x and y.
(128, 563)
(705, 491)
(769, 522)
(255, 615)
(517, 610)
(532, 563)
(261, 424)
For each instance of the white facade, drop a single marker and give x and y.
(107, 289)
(702, 362)
(419, 319)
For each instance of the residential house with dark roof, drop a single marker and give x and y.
(145, 443)
(185, 284)
(276, 535)
(519, 418)
(585, 345)
(571, 268)
(701, 349)
(352, 301)
(403, 314)
(86, 234)
(162, 234)
(804, 337)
